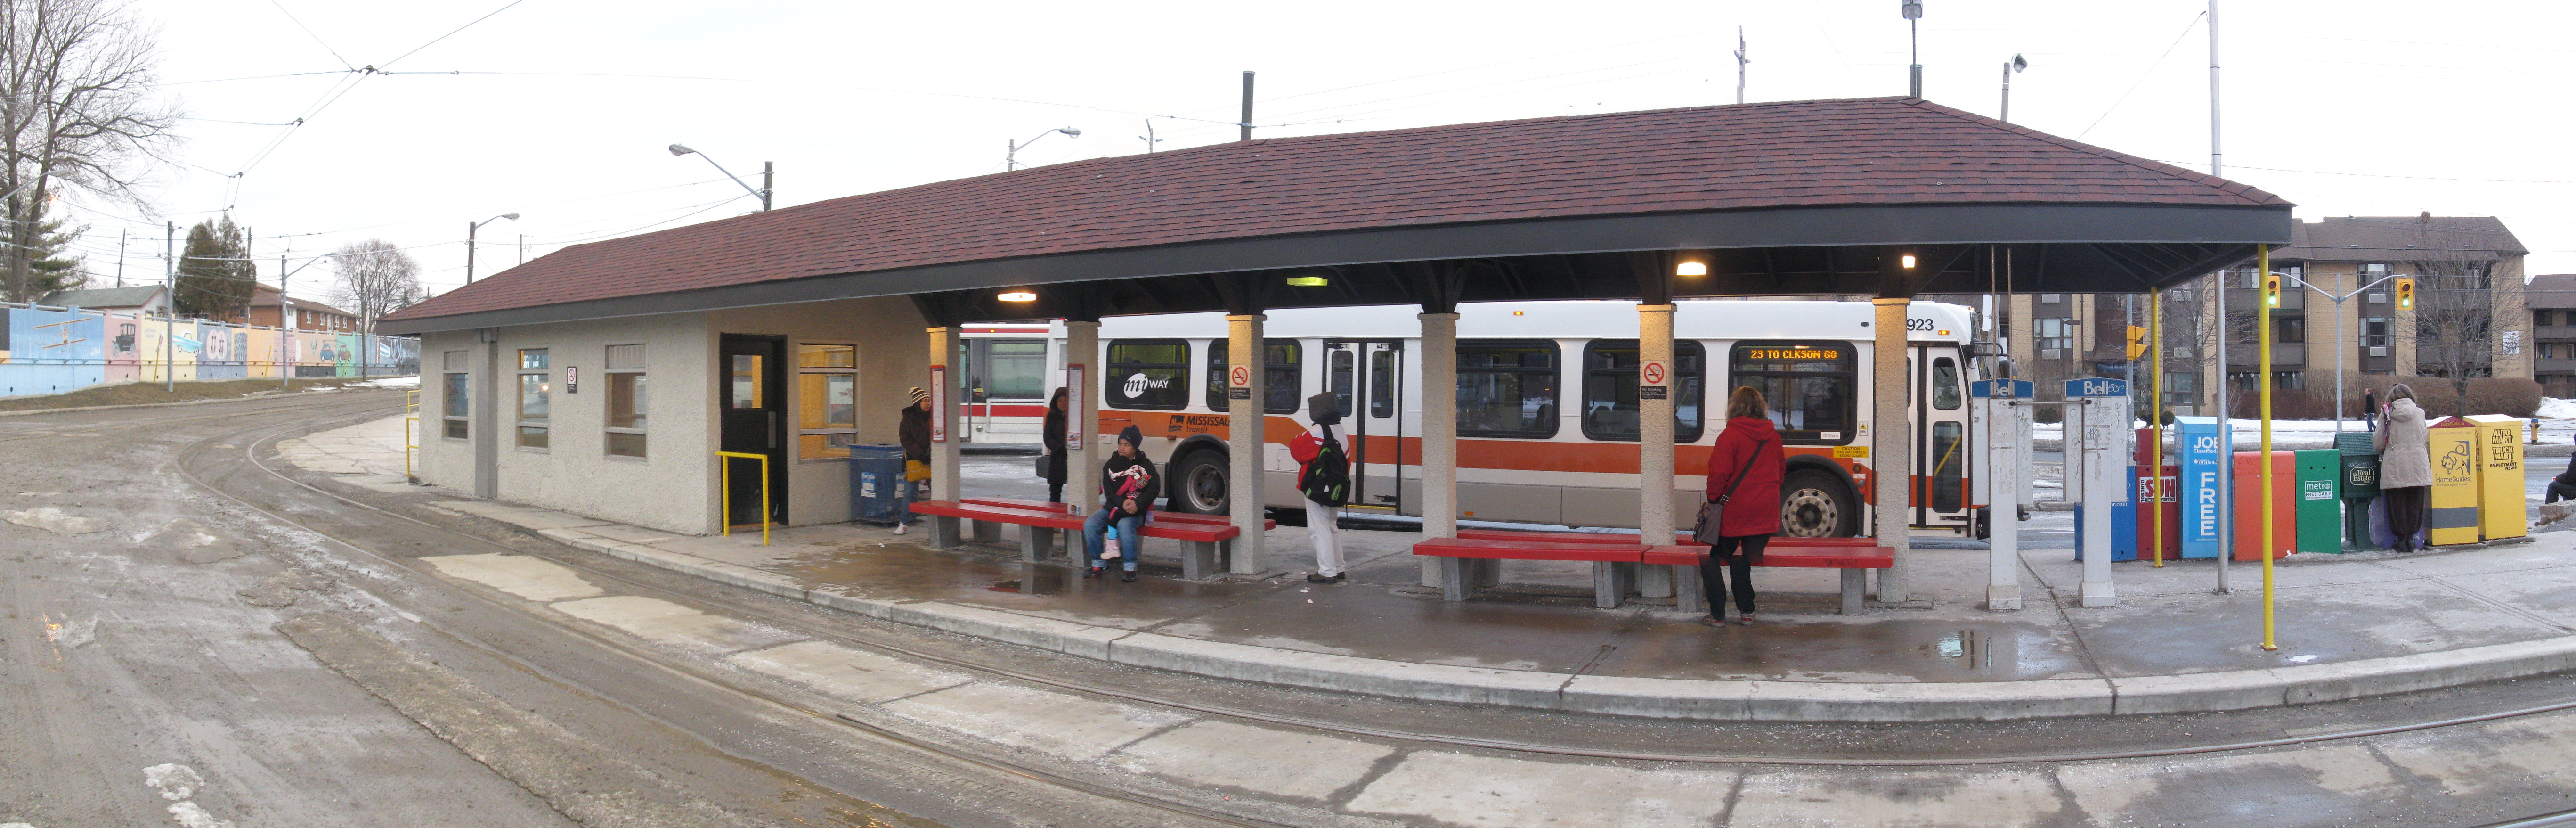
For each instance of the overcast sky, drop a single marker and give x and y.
(564, 106)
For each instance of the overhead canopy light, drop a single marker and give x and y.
(1308, 281)
(1691, 269)
(1018, 296)
(1909, 260)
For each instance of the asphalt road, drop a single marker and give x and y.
(297, 657)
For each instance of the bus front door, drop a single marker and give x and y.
(1941, 450)
(1368, 378)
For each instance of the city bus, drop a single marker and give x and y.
(1547, 406)
(1005, 383)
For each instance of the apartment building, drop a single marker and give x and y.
(2553, 333)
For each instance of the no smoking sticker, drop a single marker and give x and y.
(1239, 377)
(1652, 372)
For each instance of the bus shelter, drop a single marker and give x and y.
(1884, 197)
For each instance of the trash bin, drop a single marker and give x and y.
(2200, 448)
(2500, 484)
(2320, 501)
(2360, 485)
(876, 483)
(2453, 516)
(2249, 508)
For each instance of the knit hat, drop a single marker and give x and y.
(918, 394)
(1132, 436)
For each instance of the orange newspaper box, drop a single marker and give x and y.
(2249, 509)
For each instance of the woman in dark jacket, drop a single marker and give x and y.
(1128, 485)
(1750, 448)
(1052, 434)
(914, 432)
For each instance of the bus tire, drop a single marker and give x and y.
(1199, 482)
(1815, 503)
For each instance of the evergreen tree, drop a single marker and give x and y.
(215, 274)
(54, 266)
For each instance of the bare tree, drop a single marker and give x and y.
(2455, 320)
(375, 278)
(77, 112)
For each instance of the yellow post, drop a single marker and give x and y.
(2263, 386)
(724, 489)
(408, 422)
(2156, 424)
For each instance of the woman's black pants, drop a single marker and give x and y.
(1730, 554)
(1055, 493)
(2406, 511)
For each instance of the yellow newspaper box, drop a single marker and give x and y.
(2453, 515)
(2500, 498)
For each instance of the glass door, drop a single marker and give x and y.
(1368, 378)
(749, 381)
(1940, 415)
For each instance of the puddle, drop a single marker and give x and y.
(1967, 649)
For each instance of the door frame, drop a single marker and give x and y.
(1355, 423)
(773, 376)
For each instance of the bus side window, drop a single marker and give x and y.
(1338, 378)
(1382, 384)
(1507, 388)
(1147, 373)
(1945, 384)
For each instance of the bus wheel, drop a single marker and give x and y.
(1199, 483)
(1816, 504)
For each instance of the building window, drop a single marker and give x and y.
(2289, 329)
(2056, 334)
(2241, 382)
(626, 400)
(536, 385)
(1507, 388)
(2541, 319)
(2374, 331)
(1148, 373)
(827, 400)
(1610, 389)
(452, 407)
(1812, 388)
(1282, 373)
(2286, 381)
(2182, 389)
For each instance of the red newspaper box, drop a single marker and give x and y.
(2249, 510)
(2159, 494)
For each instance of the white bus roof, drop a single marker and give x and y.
(1692, 319)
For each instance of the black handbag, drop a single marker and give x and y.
(1712, 515)
(1043, 468)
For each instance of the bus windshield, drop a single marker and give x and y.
(1809, 386)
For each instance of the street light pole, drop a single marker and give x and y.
(472, 226)
(1913, 10)
(2017, 64)
(762, 193)
(1011, 157)
(2339, 346)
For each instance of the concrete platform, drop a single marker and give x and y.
(2350, 626)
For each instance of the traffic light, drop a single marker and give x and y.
(2406, 293)
(2137, 342)
(2271, 290)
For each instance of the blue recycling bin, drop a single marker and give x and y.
(876, 483)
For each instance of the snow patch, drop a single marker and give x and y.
(388, 382)
(174, 781)
(188, 815)
(2553, 408)
(53, 520)
(70, 634)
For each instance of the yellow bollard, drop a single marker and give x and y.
(2156, 423)
(2263, 386)
(724, 489)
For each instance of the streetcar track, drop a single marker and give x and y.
(575, 561)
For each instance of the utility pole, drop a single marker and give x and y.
(765, 172)
(2010, 66)
(2214, 166)
(1247, 103)
(1740, 60)
(285, 333)
(120, 258)
(523, 248)
(470, 227)
(1913, 10)
(169, 307)
(1148, 137)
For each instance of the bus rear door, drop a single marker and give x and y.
(1367, 376)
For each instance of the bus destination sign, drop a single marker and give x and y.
(1793, 353)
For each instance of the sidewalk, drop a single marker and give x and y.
(2350, 626)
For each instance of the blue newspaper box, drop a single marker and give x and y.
(2202, 452)
(2124, 525)
(876, 483)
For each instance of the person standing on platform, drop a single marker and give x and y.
(2562, 487)
(2405, 465)
(1322, 444)
(914, 432)
(1053, 437)
(2370, 409)
(1744, 472)
(1128, 485)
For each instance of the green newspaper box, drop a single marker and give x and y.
(2320, 504)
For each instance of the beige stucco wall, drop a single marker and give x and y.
(894, 355)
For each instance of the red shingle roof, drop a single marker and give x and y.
(1875, 151)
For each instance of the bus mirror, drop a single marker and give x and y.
(1985, 349)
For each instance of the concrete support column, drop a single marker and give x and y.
(1244, 438)
(1081, 466)
(943, 417)
(1439, 434)
(1891, 443)
(2000, 425)
(1655, 384)
(486, 428)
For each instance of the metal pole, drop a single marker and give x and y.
(766, 171)
(1740, 61)
(284, 334)
(1011, 156)
(2226, 441)
(169, 306)
(1914, 53)
(2263, 390)
(1247, 106)
(2338, 405)
(120, 258)
(2006, 115)
(2156, 424)
(470, 227)
(2214, 166)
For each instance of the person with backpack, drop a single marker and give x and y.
(1744, 471)
(1127, 488)
(1324, 478)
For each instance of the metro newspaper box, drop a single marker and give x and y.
(2500, 496)
(2249, 507)
(2320, 501)
(2360, 484)
(2198, 445)
(2453, 517)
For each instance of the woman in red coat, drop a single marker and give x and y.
(1750, 448)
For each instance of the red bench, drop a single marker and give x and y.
(1609, 577)
(1851, 555)
(1207, 543)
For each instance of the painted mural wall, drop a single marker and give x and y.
(52, 350)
